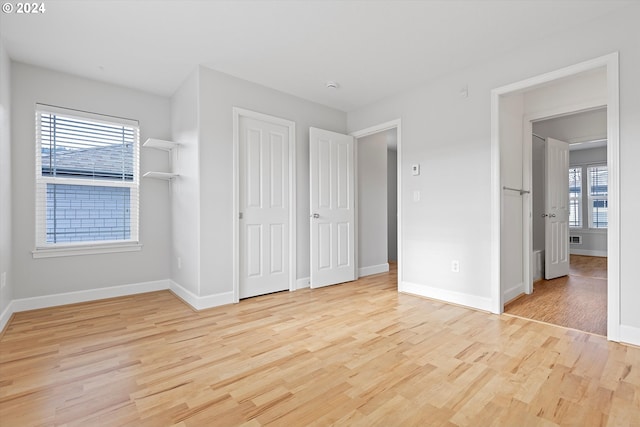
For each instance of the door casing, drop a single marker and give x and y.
(393, 124)
(610, 63)
(241, 112)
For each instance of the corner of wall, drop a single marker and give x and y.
(200, 302)
(185, 190)
(6, 238)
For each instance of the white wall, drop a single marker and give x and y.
(447, 136)
(513, 279)
(451, 137)
(47, 276)
(219, 93)
(588, 88)
(372, 203)
(585, 126)
(185, 195)
(392, 204)
(590, 156)
(6, 293)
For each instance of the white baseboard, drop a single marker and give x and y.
(513, 292)
(200, 303)
(34, 303)
(473, 301)
(630, 335)
(304, 282)
(6, 315)
(587, 252)
(373, 269)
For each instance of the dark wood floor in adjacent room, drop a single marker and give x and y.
(577, 301)
(357, 354)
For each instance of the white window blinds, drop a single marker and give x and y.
(598, 178)
(87, 178)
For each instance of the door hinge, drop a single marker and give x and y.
(240, 215)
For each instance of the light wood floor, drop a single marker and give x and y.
(577, 301)
(357, 354)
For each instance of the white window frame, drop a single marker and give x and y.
(579, 198)
(586, 200)
(46, 250)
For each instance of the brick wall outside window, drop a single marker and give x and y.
(77, 213)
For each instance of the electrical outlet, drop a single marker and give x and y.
(455, 266)
(3, 280)
(179, 263)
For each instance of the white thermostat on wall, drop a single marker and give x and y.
(415, 169)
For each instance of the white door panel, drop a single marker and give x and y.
(556, 209)
(277, 248)
(264, 206)
(332, 178)
(253, 242)
(344, 245)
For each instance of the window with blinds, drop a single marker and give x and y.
(588, 197)
(598, 177)
(575, 197)
(87, 178)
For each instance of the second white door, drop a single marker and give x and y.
(556, 209)
(332, 176)
(264, 207)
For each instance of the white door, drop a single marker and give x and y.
(556, 209)
(332, 177)
(264, 207)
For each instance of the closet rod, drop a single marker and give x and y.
(519, 190)
(538, 136)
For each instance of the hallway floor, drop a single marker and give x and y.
(577, 301)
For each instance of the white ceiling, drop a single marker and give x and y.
(374, 49)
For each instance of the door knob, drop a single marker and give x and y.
(315, 215)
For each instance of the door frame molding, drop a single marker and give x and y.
(611, 64)
(237, 114)
(393, 124)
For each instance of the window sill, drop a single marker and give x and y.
(85, 250)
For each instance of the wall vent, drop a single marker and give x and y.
(575, 240)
